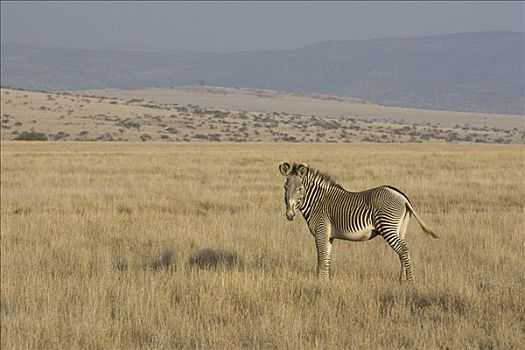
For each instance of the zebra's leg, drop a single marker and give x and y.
(402, 232)
(404, 257)
(323, 244)
(400, 247)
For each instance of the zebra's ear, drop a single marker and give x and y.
(285, 168)
(302, 170)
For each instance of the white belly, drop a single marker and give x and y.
(362, 235)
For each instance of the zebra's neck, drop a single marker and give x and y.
(316, 185)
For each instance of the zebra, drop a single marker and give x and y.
(331, 213)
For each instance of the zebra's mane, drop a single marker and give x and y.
(325, 178)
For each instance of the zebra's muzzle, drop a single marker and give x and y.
(290, 213)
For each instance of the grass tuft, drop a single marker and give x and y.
(164, 260)
(215, 258)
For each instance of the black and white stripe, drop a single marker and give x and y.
(331, 213)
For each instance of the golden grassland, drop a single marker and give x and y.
(181, 245)
(174, 115)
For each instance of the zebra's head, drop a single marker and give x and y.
(293, 187)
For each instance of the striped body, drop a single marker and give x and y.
(331, 213)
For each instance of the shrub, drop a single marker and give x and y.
(129, 123)
(31, 136)
(145, 137)
(105, 137)
(59, 135)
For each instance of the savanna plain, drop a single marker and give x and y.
(186, 245)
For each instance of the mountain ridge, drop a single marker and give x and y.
(475, 71)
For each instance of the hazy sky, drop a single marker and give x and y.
(235, 26)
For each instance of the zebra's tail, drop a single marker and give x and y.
(424, 226)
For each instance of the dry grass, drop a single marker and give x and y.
(112, 245)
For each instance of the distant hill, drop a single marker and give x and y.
(481, 71)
